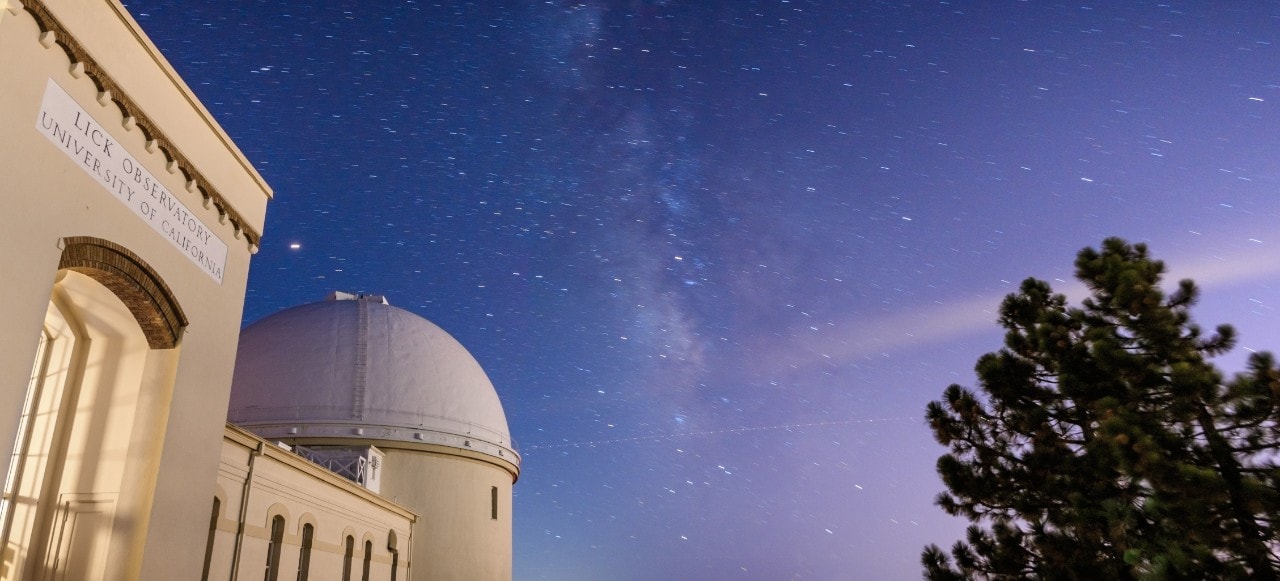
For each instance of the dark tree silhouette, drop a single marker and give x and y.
(1105, 444)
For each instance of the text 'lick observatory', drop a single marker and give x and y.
(354, 378)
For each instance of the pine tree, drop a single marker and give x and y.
(1107, 445)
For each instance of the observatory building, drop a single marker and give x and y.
(371, 444)
(393, 402)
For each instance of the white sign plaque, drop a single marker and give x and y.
(96, 151)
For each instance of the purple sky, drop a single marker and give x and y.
(717, 256)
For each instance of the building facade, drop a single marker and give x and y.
(278, 515)
(129, 222)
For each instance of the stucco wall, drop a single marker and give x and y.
(50, 192)
(284, 484)
(457, 540)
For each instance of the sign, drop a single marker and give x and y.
(96, 151)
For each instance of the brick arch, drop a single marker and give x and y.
(134, 281)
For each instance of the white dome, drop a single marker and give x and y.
(355, 368)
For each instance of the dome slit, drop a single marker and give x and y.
(362, 360)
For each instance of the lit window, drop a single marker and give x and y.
(110, 328)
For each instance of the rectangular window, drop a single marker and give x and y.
(17, 462)
(493, 502)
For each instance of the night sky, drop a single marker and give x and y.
(716, 257)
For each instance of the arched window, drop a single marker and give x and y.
(346, 558)
(395, 554)
(368, 559)
(208, 544)
(107, 345)
(273, 548)
(304, 555)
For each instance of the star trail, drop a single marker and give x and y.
(717, 256)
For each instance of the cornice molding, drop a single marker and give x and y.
(52, 32)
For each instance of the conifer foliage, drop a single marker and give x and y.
(1105, 444)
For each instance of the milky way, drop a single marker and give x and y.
(717, 256)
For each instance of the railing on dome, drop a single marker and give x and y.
(360, 465)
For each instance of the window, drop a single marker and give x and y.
(208, 544)
(493, 502)
(273, 548)
(304, 555)
(18, 460)
(109, 333)
(346, 558)
(395, 554)
(368, 559)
